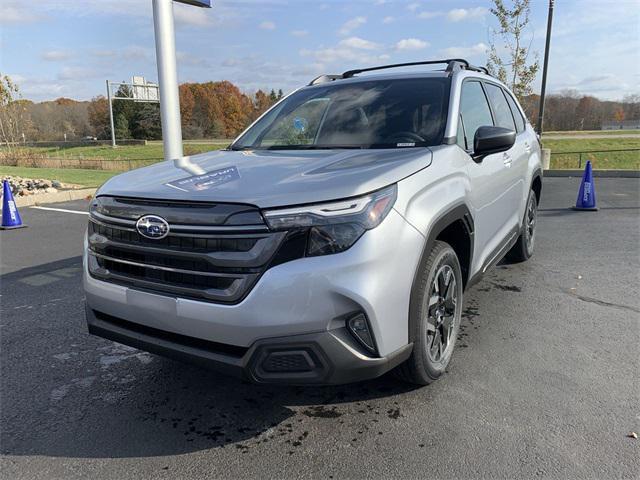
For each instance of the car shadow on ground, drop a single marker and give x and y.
(169, 408)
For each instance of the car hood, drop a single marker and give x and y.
(270, 178)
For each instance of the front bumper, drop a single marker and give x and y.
(323, 358)
(300, 304)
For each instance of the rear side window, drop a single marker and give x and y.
(516, 113)
(501, 109)
(474, 111)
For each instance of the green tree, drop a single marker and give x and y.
(122, 126)
(146, 122)
(516, 70)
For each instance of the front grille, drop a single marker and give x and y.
(214, 258)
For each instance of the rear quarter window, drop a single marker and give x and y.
(501, 109)
(517, 116)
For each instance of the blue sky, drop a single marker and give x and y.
(69, 48)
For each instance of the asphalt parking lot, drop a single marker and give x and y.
(544, 382)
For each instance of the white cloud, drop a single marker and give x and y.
(388, 19)
(343, 55)
(299, 33)
(188, 16)
(380, 2)
(358, 43)
(477, 49)
(427, 15)
(596, 79)
(412, 7)
(459, 14)
(185, 58)
(16, 13)
(56, 55)
(411, 44)
(268, 25)
(351, 25)
(231, 62)
(77, 73)
(137, 53)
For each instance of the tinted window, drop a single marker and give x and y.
(516, 113)
(367, 114)
(501, 110)
(474, 110)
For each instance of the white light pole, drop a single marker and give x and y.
(113, 130)
(168, 75)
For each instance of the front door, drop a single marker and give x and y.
(491, 195)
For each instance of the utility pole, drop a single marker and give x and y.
(113, 130)
(544, 68)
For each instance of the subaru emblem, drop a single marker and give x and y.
(152, 226)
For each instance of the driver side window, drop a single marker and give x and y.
(474, 112)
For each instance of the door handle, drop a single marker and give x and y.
(507, 160)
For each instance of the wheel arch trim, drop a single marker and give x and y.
(459, 212)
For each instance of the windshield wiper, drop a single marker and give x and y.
(316, 147)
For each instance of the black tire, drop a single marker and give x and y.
(523, 248)
(428, 318)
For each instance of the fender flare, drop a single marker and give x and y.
(537, 174)
(460, 213)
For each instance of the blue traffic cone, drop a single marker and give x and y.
(587, 194)
(10, 216)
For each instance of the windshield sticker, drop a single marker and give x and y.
(197, 183)
(407, 144)
(300, 124)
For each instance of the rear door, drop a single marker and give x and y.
(526, 138)
(491, 178)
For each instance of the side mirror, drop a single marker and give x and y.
(489, 139)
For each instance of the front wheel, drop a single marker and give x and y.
(434, 317)
(523, 248)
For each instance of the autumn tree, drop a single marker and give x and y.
(98, 111)
(516, 70)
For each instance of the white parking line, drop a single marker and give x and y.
(78, 212)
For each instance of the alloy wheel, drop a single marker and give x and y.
(441, 313)
(530, 223)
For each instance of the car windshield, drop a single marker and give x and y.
(368, 114)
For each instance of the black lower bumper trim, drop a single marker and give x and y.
(322, 358)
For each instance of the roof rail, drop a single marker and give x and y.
(325, 79)
(453, 64)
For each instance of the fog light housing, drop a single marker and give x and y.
(359, 328)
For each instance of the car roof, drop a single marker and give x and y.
(384, 76)
(403, 75)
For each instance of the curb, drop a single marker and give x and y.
(63, 196)
(596, 173)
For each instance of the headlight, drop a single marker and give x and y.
(335, 226)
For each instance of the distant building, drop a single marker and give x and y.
(624, 125)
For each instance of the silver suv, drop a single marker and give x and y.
(332, 241)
